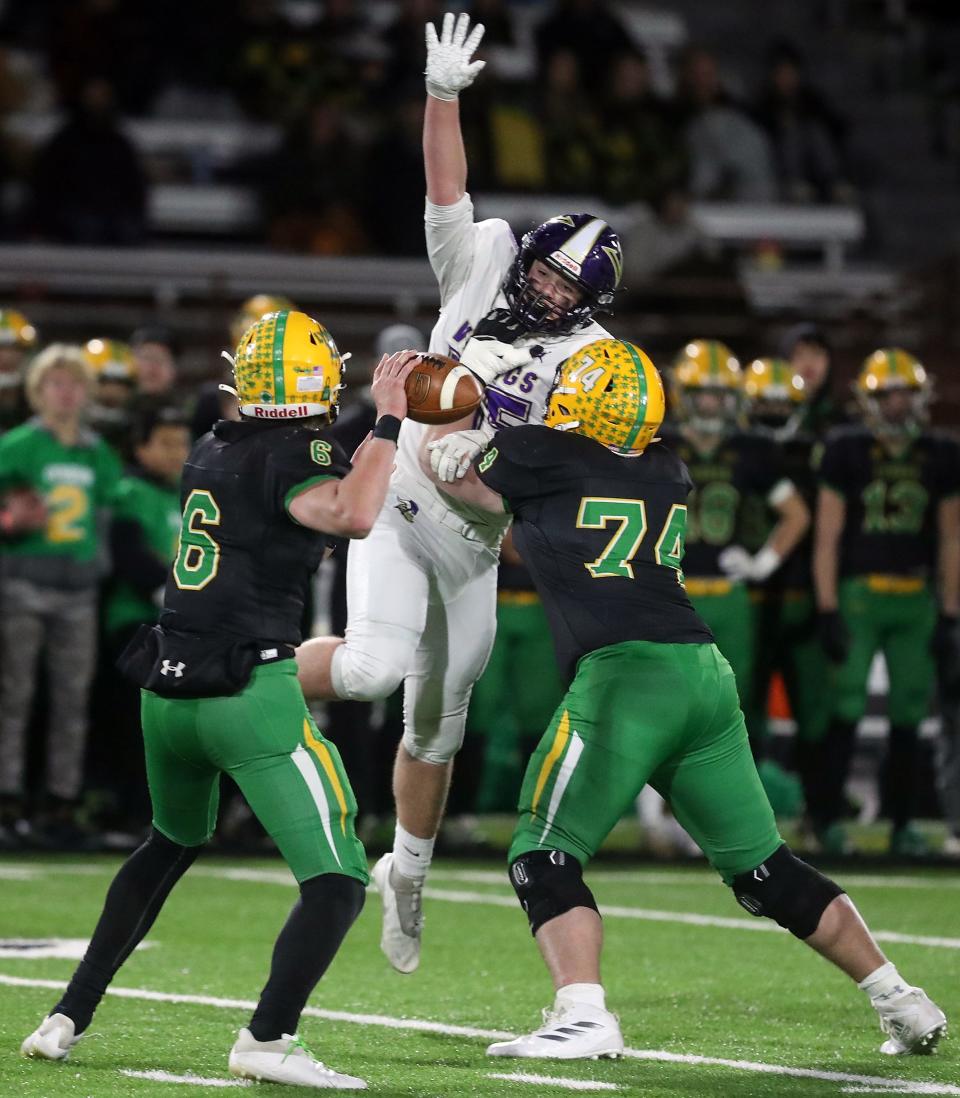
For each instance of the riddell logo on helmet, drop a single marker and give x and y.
(289, 411)
(566, 262)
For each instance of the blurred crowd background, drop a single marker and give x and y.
(786, 179)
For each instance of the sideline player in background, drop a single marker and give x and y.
(600, 518)
(888, 527)
(260, 499)
(421, 590)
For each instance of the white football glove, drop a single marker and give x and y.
(452, 455)
(449, 68)
(490, 359)
(738, 564)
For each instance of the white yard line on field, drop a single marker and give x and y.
(552, 1081)
(903, 1086)
(159, 1076)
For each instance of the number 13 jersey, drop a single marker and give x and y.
(602, 536)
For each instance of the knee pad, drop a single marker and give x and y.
(373, 670)
(787, 890)
(549, 883)
(164, 852)
(335, 891)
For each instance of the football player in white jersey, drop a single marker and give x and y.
(421, 589)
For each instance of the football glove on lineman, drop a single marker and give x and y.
(449, 68)
(490, 359)
(452, 455)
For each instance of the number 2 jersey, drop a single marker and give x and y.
(244, 565)
(471, 260)
(602, 536)
(890, 526)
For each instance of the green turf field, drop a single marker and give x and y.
(711, 1002)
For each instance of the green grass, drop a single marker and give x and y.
(708, 991)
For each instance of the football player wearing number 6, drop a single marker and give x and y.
(428, 572)
(261, 498)
(599, 516)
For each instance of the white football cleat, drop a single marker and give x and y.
(285, 1061)
(402, 901)
(914, 1023)
(52, 1040)
(571, 1031)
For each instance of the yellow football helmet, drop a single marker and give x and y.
(110, 360)
(16, 331)
(254, 308)
(610, 391)
(889, 371)
(708, 367)
(288, 367)
(774, 394)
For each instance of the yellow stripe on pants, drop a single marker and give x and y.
(326, 761)
(556, 750)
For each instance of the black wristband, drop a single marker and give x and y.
(387, 427)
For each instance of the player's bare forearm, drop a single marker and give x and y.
(349, 507)
(831, 515)
(444, 157)
(948, 555)
(793, 524)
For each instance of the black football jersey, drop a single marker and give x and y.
(728, 504)
(890, 525)
(602, 536)
(244, 565)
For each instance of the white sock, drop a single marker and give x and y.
(411, 856)
(884, 983)
(591, 994)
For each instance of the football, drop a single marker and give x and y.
(440, 390)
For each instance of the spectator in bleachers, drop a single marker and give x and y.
(154, 362)
(495, 16)
(808, 349)
(570, 126)
(404, 37)
(390, 215)
(642, 156)
(590, 30)
(806, 132)
(143, 541)
(87, 185)
(18, 339)
(48, 584)
(313, 186)
(730, 156)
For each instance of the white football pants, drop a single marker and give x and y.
(421, 604)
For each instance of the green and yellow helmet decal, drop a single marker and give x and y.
(772, 379)
(254, 308)
(610, 391)
(110, 360)
(288, 367)
(16, 330)
(706, 365)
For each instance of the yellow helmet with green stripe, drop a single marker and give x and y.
(288, 367)
(110, 360)
(886, 372)
(16, 331)
(707, 366)
(774, 394)
(611, 392)
(254, 308)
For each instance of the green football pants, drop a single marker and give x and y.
(265, 739)
(787, 642)
(731, 618)
(901, 626)
(509, 704)
(640, 712)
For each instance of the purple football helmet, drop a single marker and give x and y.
(582, 248)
